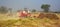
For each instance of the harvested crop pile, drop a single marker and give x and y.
(50, 16)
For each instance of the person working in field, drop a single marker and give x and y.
(29, 13)
(24, 13)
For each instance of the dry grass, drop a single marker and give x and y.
(27, 22)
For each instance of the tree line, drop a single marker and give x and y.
(45, 7)
(4, 9)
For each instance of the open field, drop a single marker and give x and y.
(28, 22)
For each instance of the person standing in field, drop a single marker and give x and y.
(29, 13)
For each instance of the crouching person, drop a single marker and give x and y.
(22, 14)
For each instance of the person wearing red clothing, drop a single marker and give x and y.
(22, 14)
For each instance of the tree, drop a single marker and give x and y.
(45, 7)
(33, 10)
(3, 9)
(10, 10)
(25, 9)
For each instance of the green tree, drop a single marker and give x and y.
(3, 9)
(10, 10)
(45, 7)
(33, 10)
(25, 9)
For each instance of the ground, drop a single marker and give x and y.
(27, 22)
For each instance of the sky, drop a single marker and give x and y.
(31, 4)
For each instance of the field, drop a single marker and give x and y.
(27, 22)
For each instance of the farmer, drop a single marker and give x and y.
(29, 13)
(22, 14)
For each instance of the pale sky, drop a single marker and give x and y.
(31, 4)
